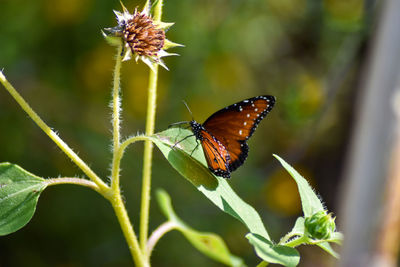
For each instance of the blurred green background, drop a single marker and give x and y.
(307, 53)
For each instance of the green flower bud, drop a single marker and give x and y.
(320, 225)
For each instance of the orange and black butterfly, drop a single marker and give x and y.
(224, 134)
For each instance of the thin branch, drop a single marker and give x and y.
(53, 136)
(158, 233)
(148, 146)
(127, 229)
(116, 108)
(73, 180)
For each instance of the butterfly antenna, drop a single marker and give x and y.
(191, 114)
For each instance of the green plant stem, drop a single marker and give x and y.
(132, 140)
(53, 136)
(127, 229)
(121, 149)
(287, 237)
(119, 207)
(158, 233)
(116, 107)
(148, 146)
(118, 150)
(72, 180)
(298, 241)
(147, 159)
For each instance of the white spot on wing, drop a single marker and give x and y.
(248, 115)
(240, 132)
(245, 123)
(256, 109)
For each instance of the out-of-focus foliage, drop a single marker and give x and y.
(307, 53)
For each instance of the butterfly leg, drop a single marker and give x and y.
(178, 123)
(195, 147)
(173, 147)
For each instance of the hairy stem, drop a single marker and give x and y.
(127, 229)
(121, 149)
(297, 241)
(73, 180)
(287, 237)
(53, 136)
(148, 146)
(116, 107)
(118, 150)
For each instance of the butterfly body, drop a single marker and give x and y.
(218, 153)
(224, 134)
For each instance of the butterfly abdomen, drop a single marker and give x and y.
(216, 154)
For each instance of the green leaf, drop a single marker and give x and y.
(273, 253)
(194, 169)
(297, 230)
(216, 189)
(311, 205)
(309, 200)
(19, 193)
(209, 244)
(327, 247)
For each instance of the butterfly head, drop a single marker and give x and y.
(196, 129)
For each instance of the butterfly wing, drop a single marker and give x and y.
(216, 155)
(235, 124)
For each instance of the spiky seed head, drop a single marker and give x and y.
(143, 38)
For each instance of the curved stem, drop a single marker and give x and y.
(119, 153)
(120, 212)
(287, 237)
(158, 233)
(53, 136)
(127, 142)
(148, 146)
(121, 149)
(116, 107)
(70, 180)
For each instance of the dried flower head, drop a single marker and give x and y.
(143, 37)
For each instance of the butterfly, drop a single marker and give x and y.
(224, 134)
